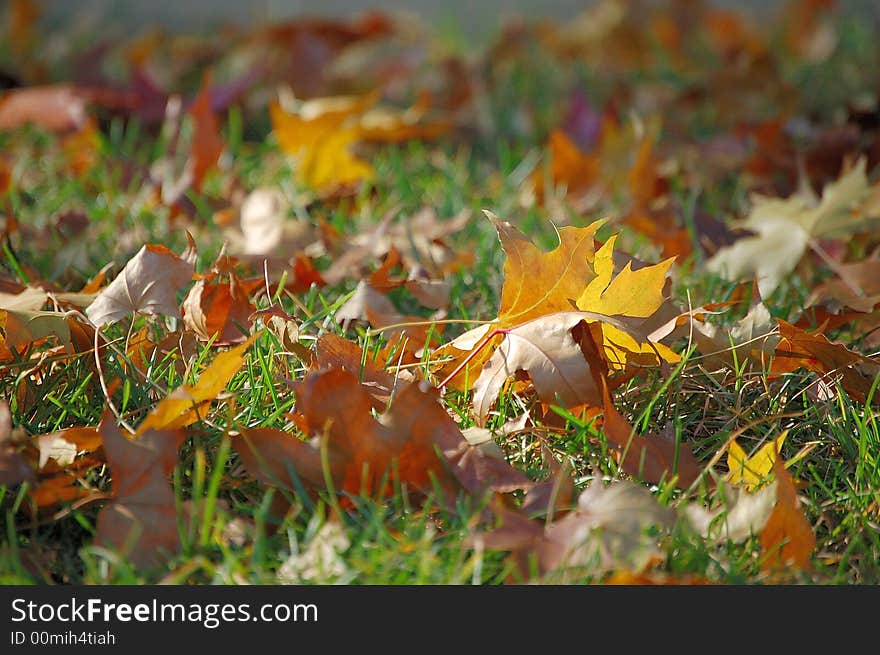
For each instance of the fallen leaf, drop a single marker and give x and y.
(320, 139)
(610, 529)
(783, 229)
(188, 404)
(545, 349)
(14, 468)
(141, 522)
(220, 310)
(753, 472)
(403, 446)
(63, 446)
(147, 284)
(56, 108)
(800, 349)
(741, 514)
(207, 143)
(20, 329)
(787, 539)
(368, 304)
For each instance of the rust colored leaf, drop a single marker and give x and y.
(800, 349)
(787, 539)
(332, 351)
(63, 446)
(188, 404)
(220, 309)
(368, 304)
(141, 522)
(403, 447)
(148, 284)
(274, 456)
(207, 144)
(569, 167)
(545, 349)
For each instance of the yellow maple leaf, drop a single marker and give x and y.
(320, 138)
(753, 472)
(574, 275)
(636, 294)
(187, 404)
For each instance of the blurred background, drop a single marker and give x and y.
(471, 18)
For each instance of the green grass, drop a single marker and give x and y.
(236, 531)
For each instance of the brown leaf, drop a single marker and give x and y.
(268, 452)
(141, 522)
(800, 349)
(147, 284)
(607, 531)
(787, 539)
(220, 309)
(14, 468)
(332, 351)
(63, 446)
(368, 304)
(404, 444)
(56, 108)
(207, 144)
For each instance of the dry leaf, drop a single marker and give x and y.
(14, 468)
(56, 108)
(753, 472)
(141, 522)
(545, 349)
(787, 539)
(148, 284)
(188, 404)
(784, 228)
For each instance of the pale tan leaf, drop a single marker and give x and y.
(148, 284)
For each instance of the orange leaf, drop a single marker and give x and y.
(787, 539)
(207, 144)
(188, 404)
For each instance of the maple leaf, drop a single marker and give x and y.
(321, 140)
(740, 515)
(14, 468)
(800, 349)
(784, 228)
(334, 352)
(632, 294)
(787, 539)
(20, 328)
(207, 144)
(545, 349)
(141, 522)
(532, 330)
(56, 108)
(403, 446)
(147, 284)
(609, 529)
(220, 310)
(368, 304)
(752, 472)
(187, 404)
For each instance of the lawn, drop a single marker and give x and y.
(362, 302)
